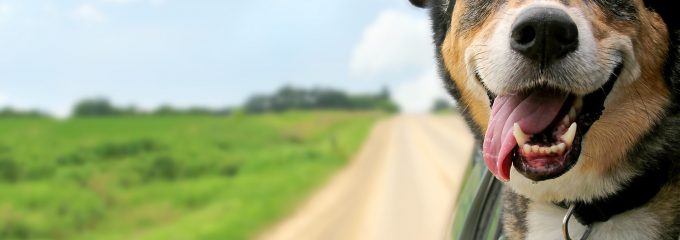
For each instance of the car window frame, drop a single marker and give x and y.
(483, 220)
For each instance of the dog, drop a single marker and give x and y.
(575, 104)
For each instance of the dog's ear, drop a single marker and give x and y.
(667, 10)
(419, 3)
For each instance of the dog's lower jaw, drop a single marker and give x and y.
(578, 184)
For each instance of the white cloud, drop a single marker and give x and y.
(397, 40)
(394, 40)
(89, 13)
(418, 95)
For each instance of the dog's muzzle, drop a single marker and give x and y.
(544, 35)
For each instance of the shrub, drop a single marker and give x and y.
(161, 168)
(120, 150)
(9, 170)
(14, 229)
(94, 107)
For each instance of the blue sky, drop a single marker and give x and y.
(210, 53)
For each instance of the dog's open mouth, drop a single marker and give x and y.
(540, 130)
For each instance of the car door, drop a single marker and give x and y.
(479, 205)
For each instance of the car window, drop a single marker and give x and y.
(479, 205)
(472, 181)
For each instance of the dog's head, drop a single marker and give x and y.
(559, 91)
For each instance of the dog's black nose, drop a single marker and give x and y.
(544, 34)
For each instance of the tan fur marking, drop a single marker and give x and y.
(516, 3)
(453, 52)
(632, 109)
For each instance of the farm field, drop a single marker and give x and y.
(184, 177)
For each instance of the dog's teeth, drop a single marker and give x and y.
(554, 149)
(561, 148)
(572, 114)
(568, 137)
(527, 148)
(520, 136)
(546, 150)
(535, 149)
(565, 121)
(578, 104)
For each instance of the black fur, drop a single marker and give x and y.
(441, 19)
(667, 9)
(515, 213)
(482, 9)
(635, 193)
(623, 10)
(419, 3)
(441, 22)
(668, 12)
(656, 154)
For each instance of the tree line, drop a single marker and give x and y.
(17, 113)
(102, 107)
(285, 99)
(290, 98)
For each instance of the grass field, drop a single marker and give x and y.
(166, 177)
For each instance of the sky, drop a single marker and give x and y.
(212, 53)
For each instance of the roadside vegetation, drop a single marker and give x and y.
(111, 172)
(152, 177)
(285, 99)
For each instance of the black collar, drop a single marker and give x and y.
(636, 193)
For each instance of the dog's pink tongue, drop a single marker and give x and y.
(533, 112)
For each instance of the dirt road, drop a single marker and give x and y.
(401, 185)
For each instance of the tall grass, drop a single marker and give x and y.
(166, 177)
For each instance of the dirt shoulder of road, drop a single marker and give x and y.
(401, 185)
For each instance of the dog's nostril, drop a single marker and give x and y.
(524, 36)
(544, 35)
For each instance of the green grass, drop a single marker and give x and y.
(166, 177)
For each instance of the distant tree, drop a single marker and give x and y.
(100, 107)
(129, 111)
(95, 107)
(442, 105)
(258, 104)
(166, 110)
(384, 93)
(203, 111)
(332, 99)
(226, 111)
(10, 112)
(288, 98)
